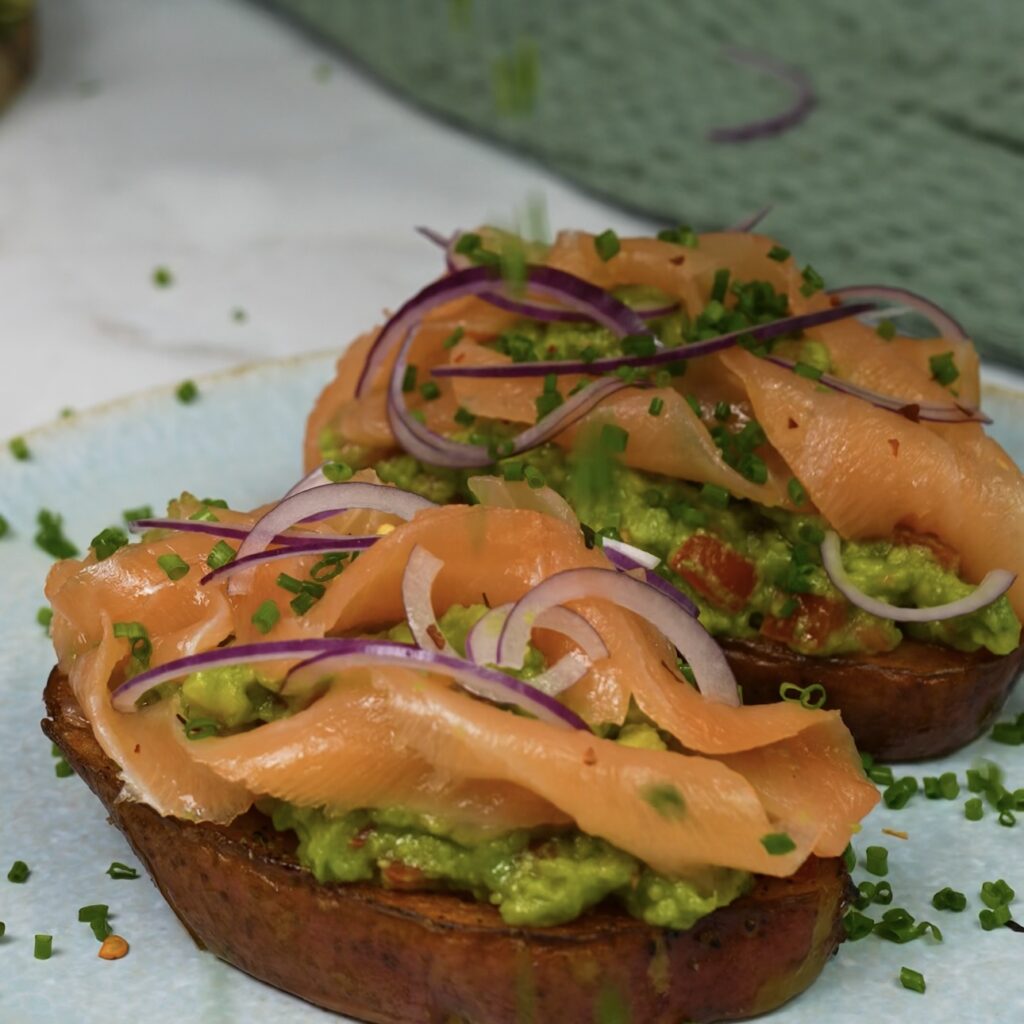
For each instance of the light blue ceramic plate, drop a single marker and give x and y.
(241, 441)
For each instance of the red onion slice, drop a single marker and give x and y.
(993, 586)
(125, 696)
(487, 683)
(328, 545)
(482, 639)
(753, 220)
(711, 671)
(803, 102)
(314, 479)
(497, 492)
(927, 411)
(760, 332)
(641, 559)
(948, 326)
(567, 289)
(417, 585)
(320, 501)
(311, 541)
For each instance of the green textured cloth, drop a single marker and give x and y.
(908, 171)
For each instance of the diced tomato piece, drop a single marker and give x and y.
(944, 554)
(810, 626)
(715, 571)
(402, 876)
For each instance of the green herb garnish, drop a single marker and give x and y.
(943, 368)
(607, 244)
(338, 472)
(220, 554)
(43, 948)
(778, 843)
(174, 566)
(911, 979)
(50, 535)
(162, 277)
(19, 449)
(876, 860)
(119, 871)
(107, 541)
(187, 392)
(886, 329)
(949, 899)
(266, 616)
(777, 253)
(19, 872)
(44, 616)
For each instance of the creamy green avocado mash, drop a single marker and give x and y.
(532, 877)
(753, 571)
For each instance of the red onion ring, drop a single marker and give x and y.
(803, 102)
(311, 541)
(639, 558)
(563, 287)
(711, 671)
(927, 411)
(317, 501)
(627, 561)
(483, 682)
(949, 326)
(421, 571)
(482, 639)
(753, 220)
(760, 332)
(993, 586)
(317, 547)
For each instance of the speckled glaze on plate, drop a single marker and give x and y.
(241, 441)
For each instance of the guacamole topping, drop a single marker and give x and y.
(533, 877)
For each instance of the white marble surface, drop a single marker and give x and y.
(209, 137)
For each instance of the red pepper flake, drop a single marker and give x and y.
(677, 261)
(138, 748)
(792, 423)
(435, 634)
(589, 756)
(894, 444)
(912, 412)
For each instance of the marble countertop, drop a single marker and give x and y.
(211, 138)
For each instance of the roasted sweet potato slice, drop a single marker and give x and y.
(918, 701)
(400, 957)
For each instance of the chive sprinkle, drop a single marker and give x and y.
(107, 541)
(142, 512)
(265, 617)
(808, 371)
(797, 494)
(614, 438)
(778, 843)
(174, 566)
(162, 277)
(43, 947)
(813, 281)
(944, 368)
(119, 871)
(409, 377)
(857, 925)
(141, 647)
(5, 527)
(454, 338)
(3, 928)
(876, 860)
(777, 253)
(95, 916)
(430, 391)
(200, 728)
(464, 417)
(44, 616)
(666, 800)
(992, 919)
(19, 449)
(657, 404)
(220, 554)
(63, 770)
(881, 775)
(187, 392)
(911, 979)
(50, 535)
(996, 894)
(19, 872)
(717, 497)
(949, 899)
(289, 583)
(607, 244)
(886, 329)
(974, 810)
(512, 470)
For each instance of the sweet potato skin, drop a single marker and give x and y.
(917, 701)
(399, 957)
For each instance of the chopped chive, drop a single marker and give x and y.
(944, 368)
(301, 603)
(119, 871)
(974, 810)
(614, 438)
(813, 696)
(338, 472)
(788, 607)
(187, 392)
(1008, 733)
(454, 338)
(717, 497)
(19, 872)
(331, 565)
(200, 728)
(797, 494)
(140, 645)
(657, 404)
(5, 527)
(996, 894)
(996, 918)
(512, 470)
(464, 417)
(3, 928)
(722, 411)
(547, 402)
(886, 329)
(1007, 818)
(19, 449)
(778, 843)
(265, 617)
(107, 541)
(721, 286)
(430, 390)
(881, 775)
(849, 857)
(949, 899)
(607, 244)
(95, 915)
(534, 477)
(142, 512)
(777, 253)
(50, 535)
(62, 769)
(899, 793)
(813, 281)
(639, 345)
(44, 616)
(857, 925)
(43, 947)
(162, 277)
(876, 860)
(911, 979)
(808, 371)
(290, 583)
(691, 401)
(220, 554)
(409, 378)
(239, 315)
(666, 800)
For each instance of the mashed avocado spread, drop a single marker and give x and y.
(753, 571)
(532, 877)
